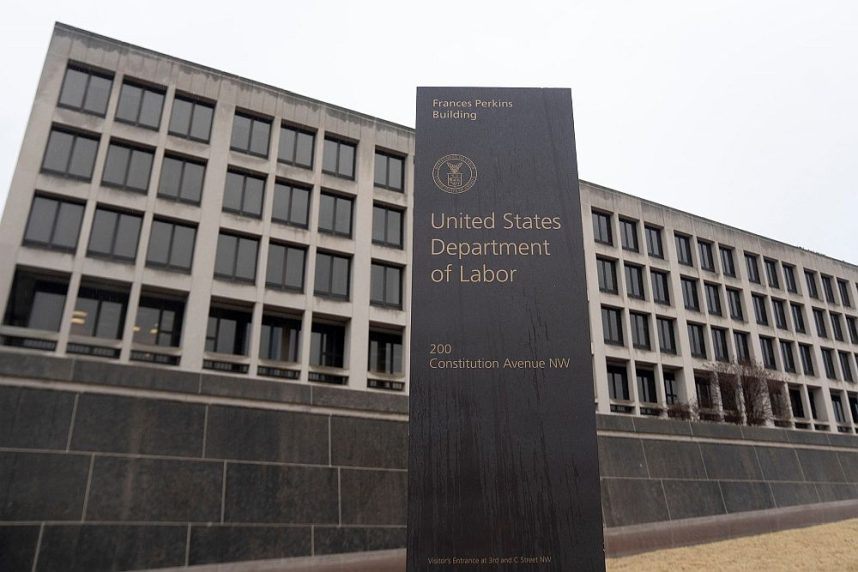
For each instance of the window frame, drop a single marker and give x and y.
(180, 198)
(144, 88)
(629, 230)
(337, 198)
(298, 132)
(90, 71)
(194, 102)
(384, 303)
(400, 245)
(388, 155)
(131, 148)
(112, 256)
(60, 203)
(650, 232)
(339, 142)
(328, 293)
(281, 285)
(235, 257)
(76, 134)
(245, 175)
(255, 121)
(168, 266)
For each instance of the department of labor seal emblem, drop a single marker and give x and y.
(454, 174)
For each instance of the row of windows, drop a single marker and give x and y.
(37, 302)
(781, 309)
(603, 233)
(141, 104)
(115, 235)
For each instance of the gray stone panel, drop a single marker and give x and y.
(808, 437)
(733, 462)
(34, 418)
(820, 466)
(262, 435)
(673, 459)
(160, 490)
(373, 497)
(94, 548)
(765, 434)
(18, 548)
(716, 430)
(740, 496)
(298, 495)
(42, 486)
(117, 424)
(359, 442)
(849, 463)
(689, 499)
(779, 464)
(621, 457)
(331, 540)
(364, 400)
(139, 377)
(623, 423)
(41, 366)
(662, 426)
(831, 492)
(219, 543)
(253, 388)
(632, 501)
(840, 440)
(792, 494)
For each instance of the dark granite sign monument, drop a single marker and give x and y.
(503, 470)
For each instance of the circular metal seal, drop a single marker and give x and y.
(454, 174)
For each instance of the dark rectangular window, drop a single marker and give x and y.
(845, 298)
(697, 340)
(236, 257)
(85, 90)
(127, 167)
(53, 223)
(707, 261)
(660, 288)
(612, 325)
(297, 146)
(335, 214)
(760, 312)
(646, 385)
(828, 288)
(767, 348)
(798, 318)
(327, 345)
(752, 264)
(828, 362)
(772, 273)
(811, 399)
(837, 407)
(852, 325)
(181, 179)
(796, 403)
(788, 356)
(805, 352)
(114, 234)
(159, 321)
(846, 365)
(683, 249)
(70, 154)
(689, 294)
(819, 320)
(719, 344)
(779, 309)
(671, 391)
(291, 204)
(99, 312)
(734, 299)
(743, 348)
(332, 275)
(385, 353)
(607, 271)
(191, 119)
(629, 234)
(339, 158)
(171, 245)
(250, 134)
(789, 278)
(280, 338)
(387, 226)
(703, 388)
(140, 105)
(389, 171)
(386, 285)
(285, 266)
(728, 265)
(640, 330)
(618, 382)
(228, 331)
(244, 193)
(713, 298)
(653, 242)
(36, 301)
(836, 327)
(634, 281)
(602, 228)
(666, 336)
(853, 407)
(812, 289)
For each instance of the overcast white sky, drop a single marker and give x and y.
(745, 112)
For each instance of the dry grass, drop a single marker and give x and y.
(824, 547)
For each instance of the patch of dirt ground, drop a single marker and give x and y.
(824, 547)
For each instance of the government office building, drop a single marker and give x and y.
(168, 214)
